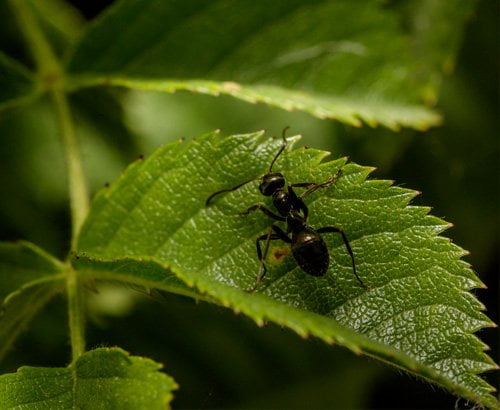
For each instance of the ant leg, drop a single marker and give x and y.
(302, 184)
(281, 234)
(330, 181)
(207, 202)
(262, 255)
(297, 201)
(265, 211)
(347, 245)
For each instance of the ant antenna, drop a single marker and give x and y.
(283, 133)
(234, 188)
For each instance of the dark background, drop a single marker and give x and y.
(221, 360)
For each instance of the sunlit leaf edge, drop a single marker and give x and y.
(347, 110)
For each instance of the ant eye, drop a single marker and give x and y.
(270, 183)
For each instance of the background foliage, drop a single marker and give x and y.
(455, 166)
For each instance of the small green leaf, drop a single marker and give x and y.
(22, 263)
(105, 378)
(28, 279)
(145, 273)
(20, 307)
(416, 314)
(16, 83)
(358, 69)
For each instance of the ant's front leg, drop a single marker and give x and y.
(314, 187)
(302, 184)
(266, 211)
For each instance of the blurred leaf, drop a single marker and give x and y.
(416, 314)
(16, 83)
(60, 21)
(142, 273)
(28, 279)
(351, 111)
(358, 69)
(105, 378)
(102, 111)
(436, 28)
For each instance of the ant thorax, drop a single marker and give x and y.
(281, 201)
(296, 222)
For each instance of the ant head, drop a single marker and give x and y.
(270, 183)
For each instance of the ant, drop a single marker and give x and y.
(308, 247)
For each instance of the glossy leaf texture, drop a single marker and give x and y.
(29, 277)
(333, 59)
(417, 312)
(104, 378)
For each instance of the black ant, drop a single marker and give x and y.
(308, 247)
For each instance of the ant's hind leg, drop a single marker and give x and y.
(268, 237)
(333, 229)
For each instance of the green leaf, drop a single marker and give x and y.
(105, 378)
(16, 83)
(436, 28)
(60, 21)
(416, 314)
(144, 273)
(28, 279)
(358, 69)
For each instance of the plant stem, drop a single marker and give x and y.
(51, 78)
(77, 185)
(76, 313)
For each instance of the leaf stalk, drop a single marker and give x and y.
(51, 79)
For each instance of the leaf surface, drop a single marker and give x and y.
(417, 312)
(358, 69)
(28, 279)
(104, 378)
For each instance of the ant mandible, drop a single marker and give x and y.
(308, 247)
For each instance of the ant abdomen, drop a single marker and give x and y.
(310, 252)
